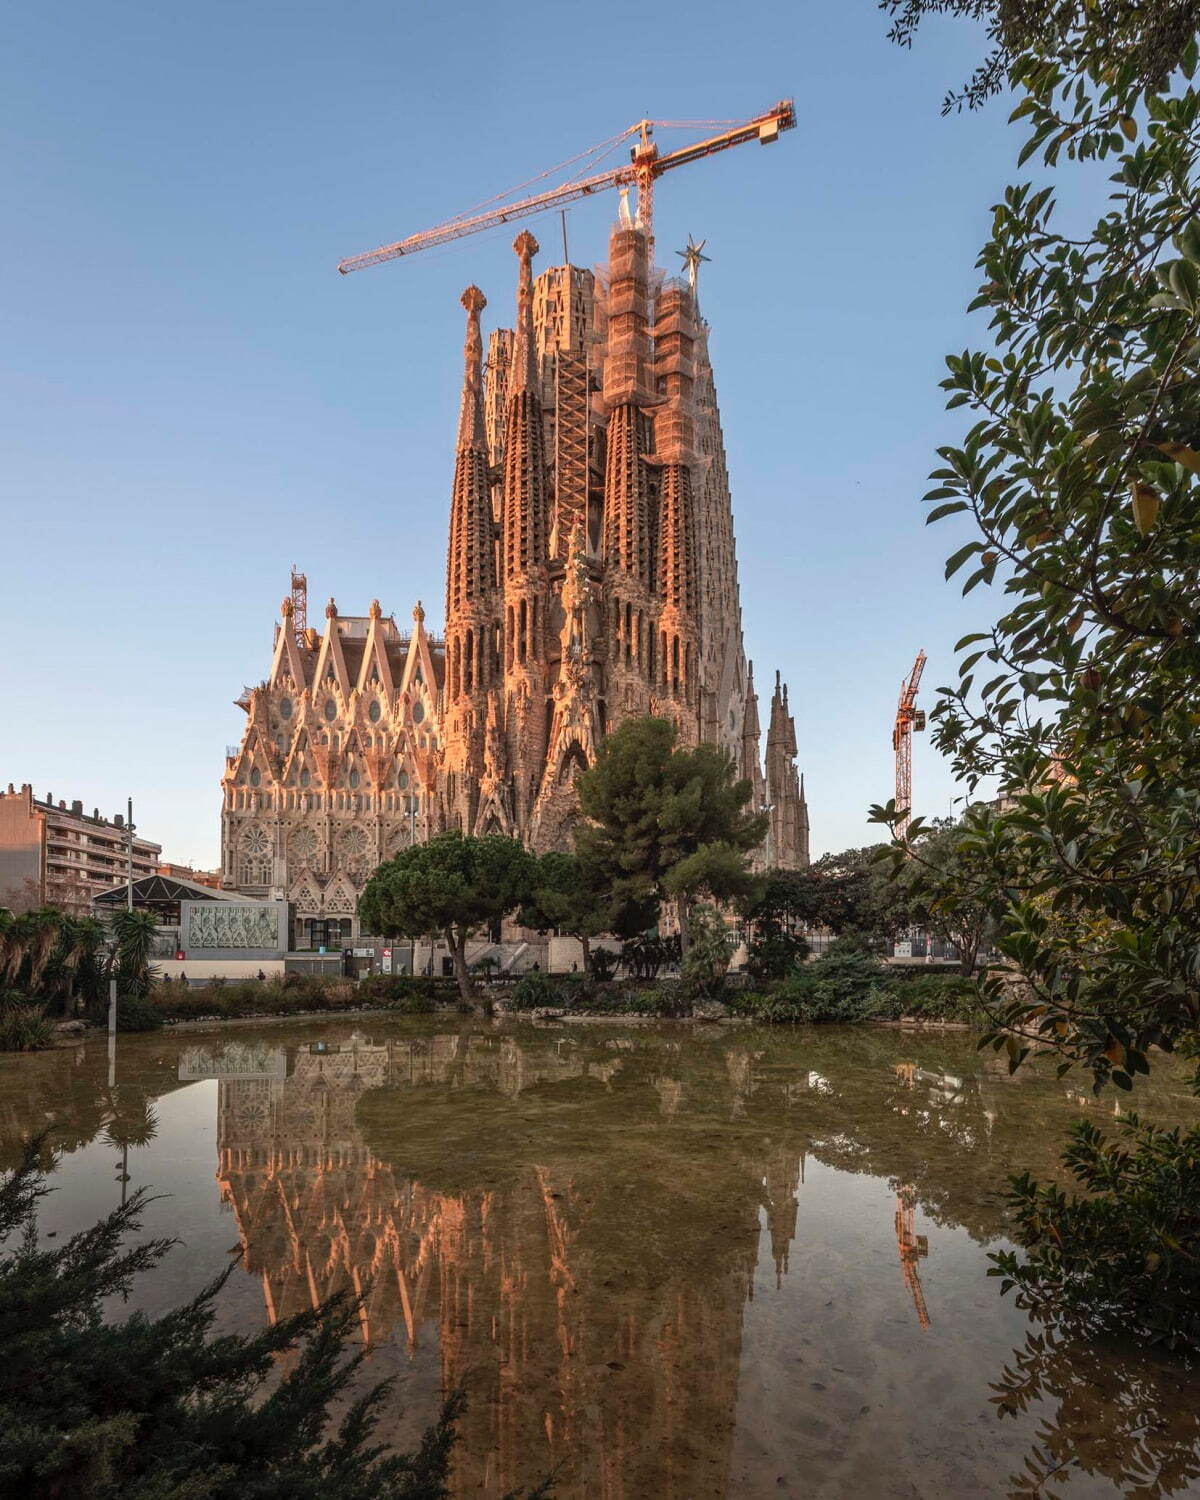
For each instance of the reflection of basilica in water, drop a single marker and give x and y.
(581, 1326)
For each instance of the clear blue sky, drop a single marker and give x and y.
(191, 398)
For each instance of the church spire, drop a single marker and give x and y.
(525, 521)
(470, 572)
(470, 421)
(523, 370)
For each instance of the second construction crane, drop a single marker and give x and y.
(908, 718)
(644, 166)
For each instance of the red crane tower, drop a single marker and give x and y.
(645, 165)
(908, 718)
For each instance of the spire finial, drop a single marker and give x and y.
(331, 609)
(691, 257)
(285, 609)
(375, 612)
(470, 422)
(522, 366)
(418, 613)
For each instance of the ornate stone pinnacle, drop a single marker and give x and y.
(285, 609)
(418, 613)
(331, 609)
(525, 245)
(375, 610)
(473, 300)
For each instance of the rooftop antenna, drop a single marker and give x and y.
(562, 214)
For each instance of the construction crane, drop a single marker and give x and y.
(908, 718)
(299, 606)
(911, 1247)
(645, 165)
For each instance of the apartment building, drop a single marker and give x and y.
(55, 854)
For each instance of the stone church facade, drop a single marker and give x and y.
(591, 575)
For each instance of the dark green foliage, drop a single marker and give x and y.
(569, 894)
(58, 961)
(535, 991)
(23, 1027)
(940, 882)
(411, 994)
(1127, 1254)
(603, 964)
(1078, 488)
(644, 955)
(300, 994)
(707, 960)
(932, 997)
(134, 933)
(778, 911)
(1149, 36)
(450, 885)
(849, 985)
(839, 988)
(774, 955)
(149, 1408)
(664, 822)
(137, 1013)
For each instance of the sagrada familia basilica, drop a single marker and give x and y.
(591, 576)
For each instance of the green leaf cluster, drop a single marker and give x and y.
(1080, 479)
(1126, 1253)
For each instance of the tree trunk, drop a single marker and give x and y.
(586, 944)
(684, 907)
(457, 941)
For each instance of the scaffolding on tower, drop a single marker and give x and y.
(299, 605)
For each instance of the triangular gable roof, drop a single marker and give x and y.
(288, 659)
(164, 888)
(331, 654)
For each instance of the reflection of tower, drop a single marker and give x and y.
(586, 1329)
(782, 1180)
(911, 1247)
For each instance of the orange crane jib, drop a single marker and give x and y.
(645, 165)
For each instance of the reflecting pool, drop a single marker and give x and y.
(664, 1261)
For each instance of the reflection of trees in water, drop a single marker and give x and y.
(1128, 1417)
(67, 1093)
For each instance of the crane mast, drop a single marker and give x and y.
(908, 718)
(645, 165)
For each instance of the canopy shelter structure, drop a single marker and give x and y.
(160, 894)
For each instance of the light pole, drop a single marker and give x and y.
(129, 856)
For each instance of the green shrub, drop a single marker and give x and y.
(411, 994)
(775, 954)
(1126, 1257)
(535, 991)
(841, 988)
(23, 1027)
(707, 960)
(933, 997)
(604, 963)
(138, 1013)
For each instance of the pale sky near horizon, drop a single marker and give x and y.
(191, 399)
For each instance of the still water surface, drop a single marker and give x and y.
(673, 1262)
